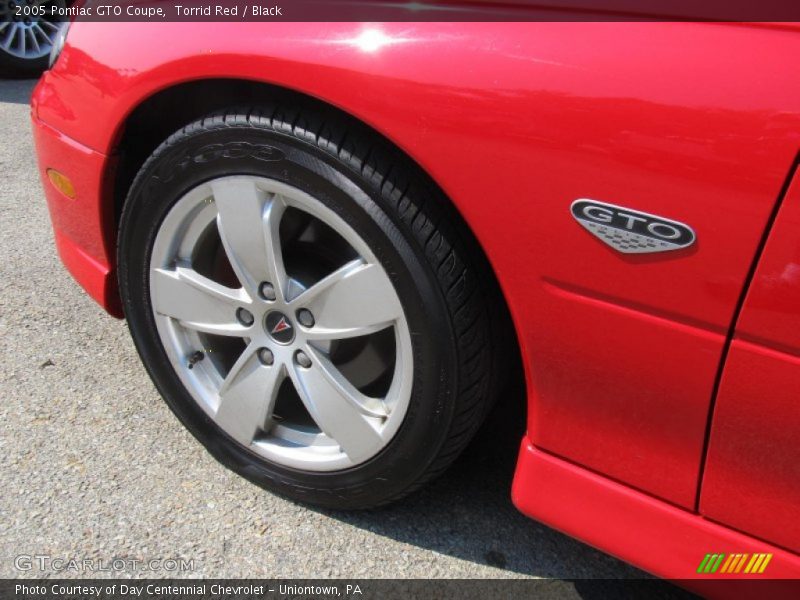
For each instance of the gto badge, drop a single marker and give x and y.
(631, 231)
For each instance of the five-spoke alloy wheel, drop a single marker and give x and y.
(304, 299)
(311, 326)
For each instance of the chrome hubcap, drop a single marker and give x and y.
(306, 352)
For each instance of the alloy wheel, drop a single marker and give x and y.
(26, 37)
(281, 323)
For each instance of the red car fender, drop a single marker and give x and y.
(696, 123)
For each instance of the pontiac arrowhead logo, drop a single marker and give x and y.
(282, 325)
(630, 231)
(279, 327)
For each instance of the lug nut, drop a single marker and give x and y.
(245, 317)
(302, 359)
(266, 356)
(267, 291)
(305, 318)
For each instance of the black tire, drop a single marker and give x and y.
(13, 67)
(443, 283)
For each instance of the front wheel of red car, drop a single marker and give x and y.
(305, 305)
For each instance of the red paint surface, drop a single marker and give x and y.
(83, 225)
(662, 539)
(771, 314)
(752, 479)
(696, 122)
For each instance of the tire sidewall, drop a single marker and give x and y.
(14, 67)
(188, 160)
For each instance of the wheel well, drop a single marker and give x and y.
(165, 112)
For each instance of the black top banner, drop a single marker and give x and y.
(775, 11)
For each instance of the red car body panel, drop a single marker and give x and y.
(770, 313)
(658, 537)
(80, 224)
(696, 122)
(754, 451)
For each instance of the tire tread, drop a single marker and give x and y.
(422, 209)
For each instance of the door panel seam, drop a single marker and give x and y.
(735, 320)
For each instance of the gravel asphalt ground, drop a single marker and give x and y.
(94, 465)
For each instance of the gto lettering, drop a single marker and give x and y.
(601, 215)
(672, 232)
(630, 231)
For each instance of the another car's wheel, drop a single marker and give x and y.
(306, 306)
(25, 39)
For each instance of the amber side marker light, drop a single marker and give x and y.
(61, 183)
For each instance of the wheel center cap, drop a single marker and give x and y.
(279, 327)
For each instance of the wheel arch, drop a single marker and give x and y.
(166, 110)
